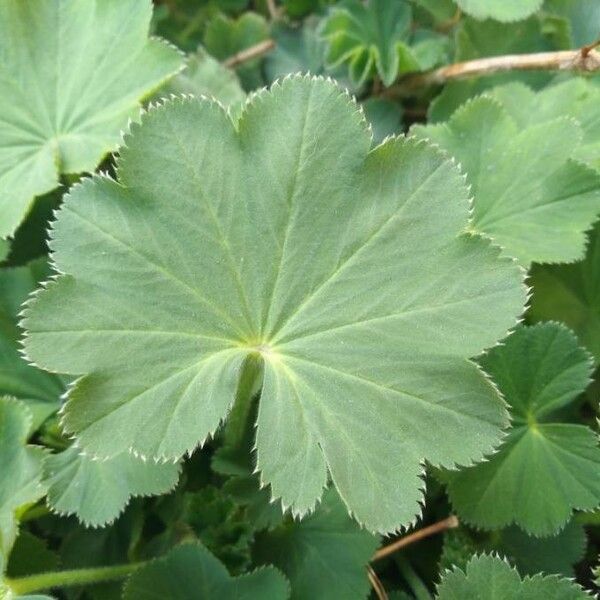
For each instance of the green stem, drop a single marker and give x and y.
(35, 512)
(74, 577)
(419, 589)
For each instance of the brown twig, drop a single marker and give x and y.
(272, 8)
(447, 523)
(250, 53)
(585, 60)
(376, 584)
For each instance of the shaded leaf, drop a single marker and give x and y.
(199, 259)
(191, 571)
(67, 90)
(546, 467)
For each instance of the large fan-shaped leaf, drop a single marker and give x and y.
(20, 469)
(71, 75)
(326, 551)
(529, 196)
(97, 491)
(191, 571)
(500, 10)
(346, 272)
(491, 578)
(546, 467)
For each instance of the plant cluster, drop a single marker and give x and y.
(299, 299)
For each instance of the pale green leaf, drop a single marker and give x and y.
(528, 195)
(582, 17)
(191, 571)
(20, 470)
(571, 293)
(372, 38)
(41, 391)
(546, 467)
(491, 578)
(506, 11)
(205, 76)
(97, 491)
(325, 551)
(71, 75)
(346, 272)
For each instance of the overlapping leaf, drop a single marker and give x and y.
(529, 196)
(326, 551)
(491, 578)
(20, 470)
(71, 75)
(500, 10)
(97, 491)
(571, 293)
(376, 38)
(546, 467)
(348, 274)
(191, 571)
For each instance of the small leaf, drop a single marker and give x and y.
(506, 11)
(491, 578)
(20, 470)
(191, 571)
(372, 37)
(346, 273)
(571, 294)
(546, 467)
(97, 491)
(325, 551)
(67, 90)
(529, 196)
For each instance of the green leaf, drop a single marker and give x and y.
(505, 11)
(582, 16)
(71, 76)
(546, 467)
(30, 554)
(480, 39)
(20, 470)
(491, 578)
(225, 37)
(385, 117)
(39, 390)
(372, 37)
(97, 491)
(205, 76)
(346, 273)
(191, 571)
(528, 196)
(571, 293)
(325, 551)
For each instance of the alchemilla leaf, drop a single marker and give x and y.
(500, 10)
(547, 466)
(491, 578)
(97, 491)
(529, 195)
(191, 571)
(347, 272)
(67, 89)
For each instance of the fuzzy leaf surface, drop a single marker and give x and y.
(546, 467)
(97, 491)
(491, 578)
(529, 196)
(346, 272)
(323, 552)
(71, 75)
(191, 571)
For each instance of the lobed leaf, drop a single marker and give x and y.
(505, 11)
(346, 272)
(546, 467)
